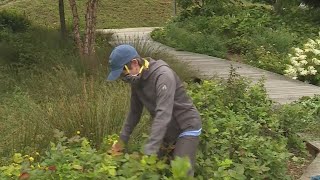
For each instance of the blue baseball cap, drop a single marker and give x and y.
(120, 56)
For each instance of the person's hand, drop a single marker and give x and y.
(117, 148)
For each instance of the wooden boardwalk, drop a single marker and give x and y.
(279, 88)
(314, 168)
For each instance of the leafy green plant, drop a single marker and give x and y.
(74, 158)
(198, 42)
(312, 3)
(242, 134)
(13, 21)
(303, 115)
(264, 58)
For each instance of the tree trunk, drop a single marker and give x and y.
(91, 16)
(93, 25)
(76, 31)
(63, 28)
(86, 47)
(87, 37)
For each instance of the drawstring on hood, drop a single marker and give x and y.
(135, 78)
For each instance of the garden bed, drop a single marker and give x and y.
(252, 34)
(244, 135)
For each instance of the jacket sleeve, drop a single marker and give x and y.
(165, 92)
(133, 117)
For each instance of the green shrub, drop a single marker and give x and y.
(13, 21)
(266, 59)
(243, 137)
(263, 1)
(305, 23)
(312, 104)
(312, 3)
(279, 40)
(197, 42)
(240, 45)
(242, 134)
(75, 158)
(305, 115)
(206, 8)
(37, 46)
(300, 118)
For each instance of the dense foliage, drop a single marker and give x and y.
(45, 87)
(243, 137)
(251, 33)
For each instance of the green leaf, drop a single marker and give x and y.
(17, 158)
(127, 156)
(264, 168)
(239, 168)
(77, 167)
(161, 165)
(180, 167)
(226, 163)
(213, 131)
(112, 171)
(295, 159)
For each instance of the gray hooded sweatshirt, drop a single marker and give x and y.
(162, 93)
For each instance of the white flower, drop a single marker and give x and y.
(290, 71)
(313, 72)
(308, 50)
(289, 66)
(312, 42)
(300, 69)
(303, 73)
(291, 74)
(316, 51)
(302, 57)
(311, 68)
(294, 58)
(295, 63)
(298, 51)
(316, 61)
(309, 45)
(304, 62)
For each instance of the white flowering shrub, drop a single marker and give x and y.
(305, 63)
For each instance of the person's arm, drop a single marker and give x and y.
(165, 92)
(133, 117)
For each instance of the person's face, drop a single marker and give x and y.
(132, 68)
